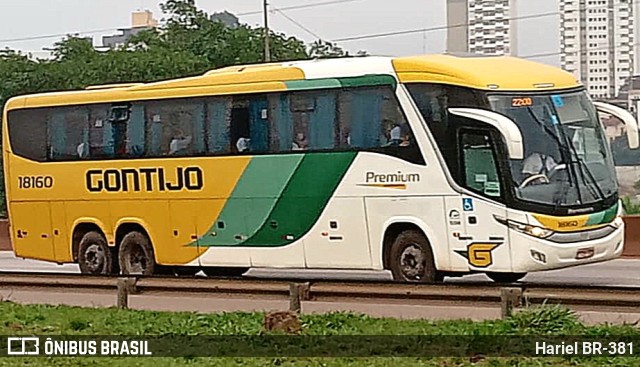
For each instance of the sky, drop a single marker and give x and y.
(24, 22)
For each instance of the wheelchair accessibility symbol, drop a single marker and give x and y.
(467, 204)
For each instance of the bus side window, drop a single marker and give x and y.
(372, 119)
(100, 132)
(218, 124)
(175, 127)
(240, 129)
(69, 133)
(28, 133)
(480, 166)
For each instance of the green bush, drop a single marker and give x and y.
(629, 206)
(545, 319)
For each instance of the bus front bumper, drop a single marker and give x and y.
(533, 254)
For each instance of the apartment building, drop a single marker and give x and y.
(482, 27)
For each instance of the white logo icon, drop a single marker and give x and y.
(23, 346)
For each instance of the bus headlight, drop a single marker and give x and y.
(527, 229)
(530, 230)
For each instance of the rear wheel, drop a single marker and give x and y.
(136, 254)
(506, 277)
(94, 255)
(411, 259)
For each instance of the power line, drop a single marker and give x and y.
(603, 48)
(295, 7)
(33, 38)
(301, 26)
(325, 3)
(445, 27)
(438, 28)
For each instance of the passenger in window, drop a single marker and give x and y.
(301, 142)
(395, 135)
(243, 144)
(406, 136)
(540, 162)
(179, 143)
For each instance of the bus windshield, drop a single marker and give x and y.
(567, 160)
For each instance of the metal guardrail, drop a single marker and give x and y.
(624, 299)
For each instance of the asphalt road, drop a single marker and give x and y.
(622, 272)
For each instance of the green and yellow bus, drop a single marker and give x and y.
(425, 166)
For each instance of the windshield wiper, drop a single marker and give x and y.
(551, 133)
(573, 152)
(584, 168)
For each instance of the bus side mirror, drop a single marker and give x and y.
(507, 128)
(630, 123)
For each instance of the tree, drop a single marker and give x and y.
(325, 50)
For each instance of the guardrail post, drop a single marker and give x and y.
(297, 292)
(509, 298)
(125, 286)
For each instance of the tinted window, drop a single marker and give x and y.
(368, 119)
(302, 121)
(27, 133)
(172, 128)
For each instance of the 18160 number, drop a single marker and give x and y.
(35, 182)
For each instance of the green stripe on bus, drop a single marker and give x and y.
(606, 216)
(303, 200)
(347, 82)
(253, 198)
(312, 84)
(368, 80)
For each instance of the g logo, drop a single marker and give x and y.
(479, 255)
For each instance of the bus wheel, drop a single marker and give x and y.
(136, 254)
(94, 255)
(411, 259)
(506, 277)
(224, 271)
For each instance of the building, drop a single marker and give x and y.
(140, 21)
(636, 36)
(596, 38)
(482, 27)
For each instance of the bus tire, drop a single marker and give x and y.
(94, 255)
(136, 255)
(411, 259)
(506, 277)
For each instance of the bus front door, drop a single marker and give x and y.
(483, 242)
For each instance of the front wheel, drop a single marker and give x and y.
(506, 277)
(136, 255)
(411, 259)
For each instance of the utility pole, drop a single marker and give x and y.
(267, 48)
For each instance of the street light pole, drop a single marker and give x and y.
(267, 48)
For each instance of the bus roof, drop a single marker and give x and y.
(483, 72)
(480, 72)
